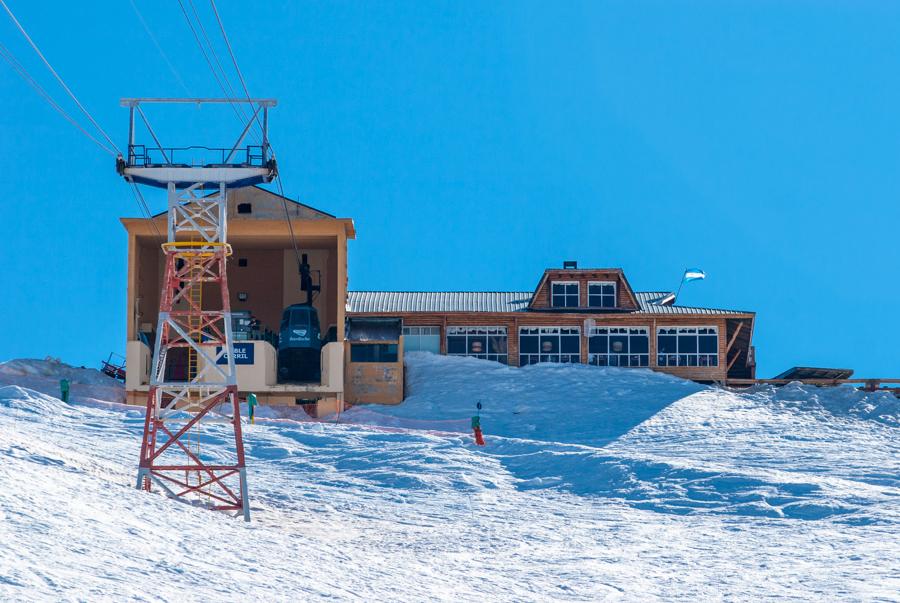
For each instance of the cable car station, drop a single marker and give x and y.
(265, 287)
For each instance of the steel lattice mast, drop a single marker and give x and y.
(180, 403)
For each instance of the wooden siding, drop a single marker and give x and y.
(625, 298)
(513, 320)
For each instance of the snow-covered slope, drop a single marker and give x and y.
(596, 484)
(85, 385)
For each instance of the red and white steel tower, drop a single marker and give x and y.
(192, 381)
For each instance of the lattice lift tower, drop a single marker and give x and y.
(183, 398)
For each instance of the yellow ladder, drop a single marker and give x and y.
(195, 296)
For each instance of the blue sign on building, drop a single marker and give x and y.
(243, 354)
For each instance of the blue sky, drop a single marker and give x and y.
(476, 143)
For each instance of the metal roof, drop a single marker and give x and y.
(646, 300)
(437, 301)
(488, 301)
(374, 329)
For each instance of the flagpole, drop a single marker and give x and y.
(678, 292)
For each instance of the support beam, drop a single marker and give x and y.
(732, 361)
(734, 337)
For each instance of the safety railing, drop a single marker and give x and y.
(197, 156)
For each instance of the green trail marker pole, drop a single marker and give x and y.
(252, 403)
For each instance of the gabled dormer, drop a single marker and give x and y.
(574, 289)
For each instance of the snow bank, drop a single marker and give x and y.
(85, 385)
(19, 398)
(51, 368)
(834, 401)
(570, 403)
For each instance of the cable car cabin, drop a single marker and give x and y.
(300, 345)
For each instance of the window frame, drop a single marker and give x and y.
(615, 294)
(540, 332)
(407, 331)
(689, 359)
(565, 295)
(626, 359)
(466, 333)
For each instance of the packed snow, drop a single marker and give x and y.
(85, 384)
(595, 484)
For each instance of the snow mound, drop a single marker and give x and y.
(24, 399)
(44, 376)
(883, 407)
(570, 403)
(51, 368)
(658, 442)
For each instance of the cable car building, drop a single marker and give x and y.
(265, 286)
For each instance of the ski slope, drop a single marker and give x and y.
(595, 484)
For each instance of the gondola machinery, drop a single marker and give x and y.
(300, 341)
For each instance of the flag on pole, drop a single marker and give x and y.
(693, 274)
(690, 274)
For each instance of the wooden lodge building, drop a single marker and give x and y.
(588, 316)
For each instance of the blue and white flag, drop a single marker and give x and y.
(693, 274)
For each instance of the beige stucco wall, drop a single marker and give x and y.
(271, 281)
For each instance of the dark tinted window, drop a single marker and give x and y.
(456, 344)
(687, 344)
(373, 352)
(598, 345)
(666, 344)
(528, 344)
(571, 344)
(708, 344)
(640, 344)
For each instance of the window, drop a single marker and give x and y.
(564, 294)
(602, 294)
(373, 352)
(422, 339)
(487, 343)
(549, 344)
(687, 346)
(619, 346)
(244, 208)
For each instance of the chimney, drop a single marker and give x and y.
(570, 265)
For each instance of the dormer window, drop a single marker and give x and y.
(602, 294)
(564, 294)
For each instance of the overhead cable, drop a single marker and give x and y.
(233, 58)
(162, 52)
(287, 216)
(57, 76)
(23, 73)
(237, 111)
(145, 209)
(212, 52)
